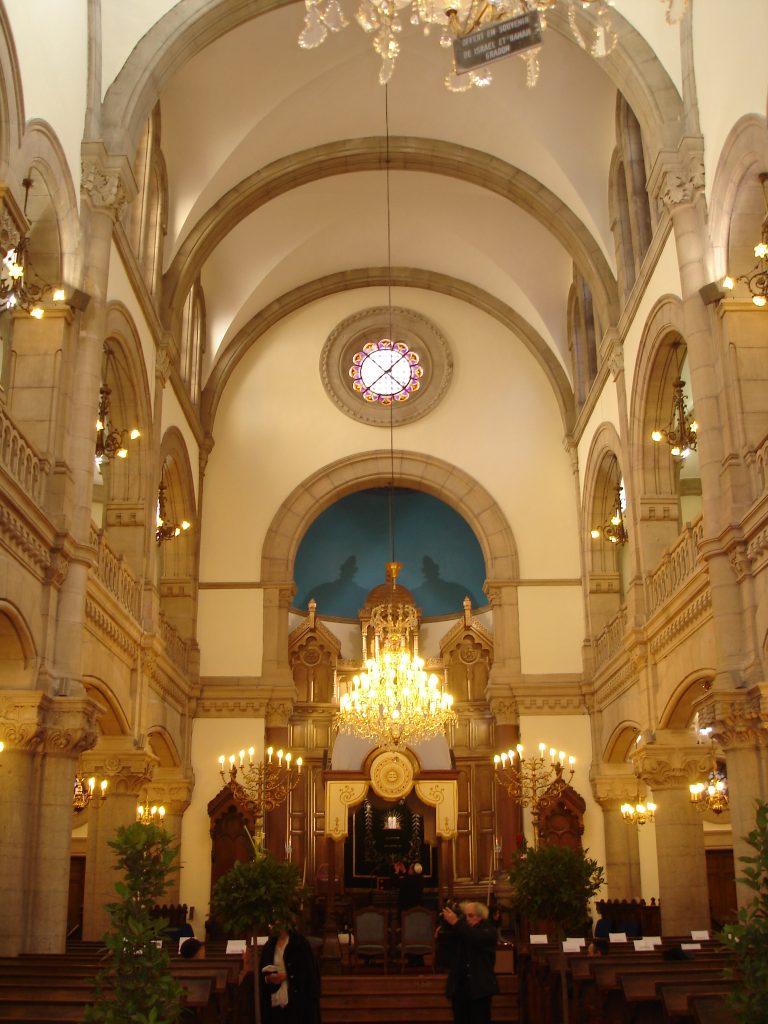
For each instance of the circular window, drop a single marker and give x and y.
(385, 358)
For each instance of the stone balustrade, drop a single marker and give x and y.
(609, 641)
(20, 460)
(176, 648)
(114, 574)
(676, 566)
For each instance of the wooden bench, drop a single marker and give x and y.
(676, 999)
(712, 1010)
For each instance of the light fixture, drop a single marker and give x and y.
(111, 441)
(150, 815)
(478, 32)
(614, 529)
(534, 780)
(711, 795)
(261, 784)
(682, 432)
(20, 286)
(640, 812)
(85, 790)
(166, 530)
(757, 278)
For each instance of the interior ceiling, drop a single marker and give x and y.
(253, 97)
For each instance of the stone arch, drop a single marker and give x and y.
(177, 557)
(11, 98)
(405, 277)
(163, 746)
(18, 657)
(372, 469)
(620, 743)
(350, 156)
(680, 706)
(113, 722)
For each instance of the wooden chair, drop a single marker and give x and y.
(417, 935)
(370, 939)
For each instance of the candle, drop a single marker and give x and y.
(269, 754)
(299, 763)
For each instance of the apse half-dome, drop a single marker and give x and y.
(343, 554)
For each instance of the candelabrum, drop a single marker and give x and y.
(260, 785)
(85, 790)
(536, 780)
(147, 815)
(639, 812)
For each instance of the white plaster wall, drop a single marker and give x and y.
(729, 35)
(649, 18)
(571, 734)
(229, 631)
(122, 26)
(210, 738)
(551, 628)
(52, 45)
(606, 410)
(119, 289)
(173, 416)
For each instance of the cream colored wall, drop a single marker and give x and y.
(649, 18)
(571, 734)
(119, 289)
(173, 416)
(122, 26)
(210, 738)
(229, 631)
(731, 37)
(51, 41)
(551, 628)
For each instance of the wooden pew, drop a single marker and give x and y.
(641, 992)
(712, 1010)
(677, 999)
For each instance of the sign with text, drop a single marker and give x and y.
(496, 40)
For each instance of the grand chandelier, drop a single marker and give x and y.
(165, 529)
(111, 441)
(394, 702)
(757, 278)
(534, 780)
(681, 434)
(20, 287)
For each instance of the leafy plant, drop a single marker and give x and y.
(135, 985)
(748, 938)
(258, 895)
(555, 883)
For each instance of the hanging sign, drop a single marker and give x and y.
(496, 40)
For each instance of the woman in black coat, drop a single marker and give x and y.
(290, 993)
(466, 945)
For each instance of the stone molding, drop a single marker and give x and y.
(171, 789)
(277, 713)
(106, 180)
(670, 760)
(33, 553)
(737, 718)
(613, 785)
(677, 178)
(683, 622)
(505, 710)
(127, 770)
(34, 722)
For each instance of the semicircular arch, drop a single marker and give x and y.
(620, 743)
(18, 656)
(680, 706)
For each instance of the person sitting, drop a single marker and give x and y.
(192, 949)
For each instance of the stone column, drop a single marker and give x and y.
(277, 735)
(612, 786)
(171, 788)
(668, 765)
(509, 815)
(44, 737)
(275, 668)
(128, 771)
(739, 723)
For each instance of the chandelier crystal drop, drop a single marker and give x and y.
(383, 20)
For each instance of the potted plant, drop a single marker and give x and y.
(256, 896)
(135, 986)
(748, 938)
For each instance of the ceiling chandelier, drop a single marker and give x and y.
(20, 287)
(614, 529)
(111, 441)
(479, 32)
(757, 278)
(681, 433)
(711, 795)
(85, 790)
(164, 528)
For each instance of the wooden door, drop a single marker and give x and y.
(76, 897)
(721, 880)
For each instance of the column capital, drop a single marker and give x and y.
(736, 718)
(128, 768)
(172, 788)
(33, 721)
(503, 708)
(671, 760)
(106, 179)
(500, 592)
(613, 784)
(677, 177)
(278, 711)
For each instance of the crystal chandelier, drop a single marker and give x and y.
(711, 795)
(757, 279)
(164, 528)
(261, 784)
(534, 781)
(85, 790)
(111, 441)
(614, 529)
(515, 24)
(18, 289)
(681, 433)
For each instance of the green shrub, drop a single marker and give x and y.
(555, 883)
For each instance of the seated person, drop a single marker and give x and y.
(192, 949)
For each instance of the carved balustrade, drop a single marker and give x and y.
(20, 460)
(676, 567)
(610, 640)
(176, 648)
(113, 572)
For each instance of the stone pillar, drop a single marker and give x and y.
(44, 737)
(171, 788)
(275, 668)
(668, 765)
(128, 771)
(277, 735)
(612, 786)
(739, 723)
(509, 815)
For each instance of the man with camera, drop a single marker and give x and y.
(466, 942)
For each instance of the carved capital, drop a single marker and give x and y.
(71, 725)
(277, 713)
(678, 178)
(128, 770)
(740, 561)
(163, 360)
(106, 180)
(21, 719)
(616, 359)
(505, 710)
(670, 760)
(737, 718)
(614, 784)
(171, 789)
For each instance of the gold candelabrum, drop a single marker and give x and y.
(535, 780)
(260, 784)
(85, 790)
(150, 815)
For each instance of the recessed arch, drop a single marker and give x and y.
(397, 277)
(18, 660)
(372, 469)
(113, 722)
(162, 745)
(680, 708)
(620, 743)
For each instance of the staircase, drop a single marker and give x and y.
(403, 999)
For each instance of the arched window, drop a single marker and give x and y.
(146, 217)
(583, 332)
(630, 208)
(193, 340)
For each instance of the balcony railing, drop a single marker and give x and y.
(20, 460)
(609, 641)
(176, 648)
(677, 565)
(115, 575)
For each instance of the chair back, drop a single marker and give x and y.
(370, 929)
(417, 930)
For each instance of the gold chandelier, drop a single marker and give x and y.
(757, 278)
(164, 528)
(614, 529)
(85, 790)
(261, 784)
(534, 781)
(711, 795)
(20, 287)
(640, 812)
(147, 815)
(682, 432)
(111, 441)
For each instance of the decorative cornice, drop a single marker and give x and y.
(26, 545)
(127, 770)
(106, 180)
(613, 785)
(737, 718)
(35, 722)
(107, 626)
(682, 623)
(277, 713)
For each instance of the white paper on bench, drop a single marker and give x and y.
(702, 936)
(617, 936)
(643, 944)
(690, 945)
(577, 939)
(235, 946)
(538, 940)
(571, 946)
